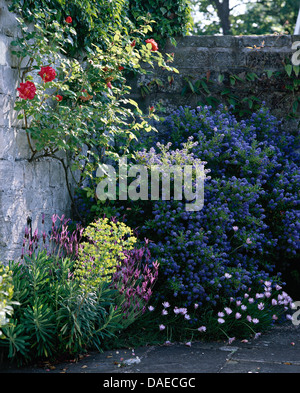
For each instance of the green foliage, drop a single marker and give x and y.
(242, 92)
(260, 17)
(6, 295)
(173, 18)
(103, 251)
(84, 110)
(55, 315)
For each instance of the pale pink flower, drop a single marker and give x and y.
(228, 310)
(260, 306)
(202, 329)
(255, 320)
(162, 327)
(238, 315)
(221, 320)
(166, 304)
(230, 341)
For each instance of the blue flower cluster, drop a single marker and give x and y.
(249, 226)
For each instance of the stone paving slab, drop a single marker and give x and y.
(275, 352)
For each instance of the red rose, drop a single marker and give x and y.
(69, 19)
(58, 97)
(153, 43)
(47, 74)
(121, 68)
(133, 43)
(27, 90)
(109, 85)
(151, 108)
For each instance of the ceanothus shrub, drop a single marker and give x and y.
(249, 226)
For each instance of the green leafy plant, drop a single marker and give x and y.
(78, 105)
(103, 250)
(6, 295)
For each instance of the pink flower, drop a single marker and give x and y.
(238, 315)
(161, 327)
(230, 341)
(221, 320)
(202, 329)
(166, 304)
(228, 310)
(248, 241)
(235, 228)
(255, 320)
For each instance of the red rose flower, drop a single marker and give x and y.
(121, 68)
(133, 43)
(27, 90)
(109, 85)
(58, 97)
(47, 74)
(69, 19)
(153, 43)
(151, 108)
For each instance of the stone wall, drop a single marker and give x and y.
(199, 57)
(27, 189)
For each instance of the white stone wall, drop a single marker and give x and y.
(27, 189)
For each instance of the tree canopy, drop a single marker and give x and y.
(258, 17)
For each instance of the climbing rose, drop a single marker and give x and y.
(58, 97)
(133, 43)
(153, 43)
(47, 74)
(69, 19)
(27, 90)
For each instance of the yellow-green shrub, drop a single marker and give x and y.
(103, 250)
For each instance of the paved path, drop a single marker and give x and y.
(275, 352)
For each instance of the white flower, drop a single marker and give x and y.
(150, 308)
(227, 275)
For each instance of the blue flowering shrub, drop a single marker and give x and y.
(247, 233)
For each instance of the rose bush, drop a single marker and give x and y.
(81, 106)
